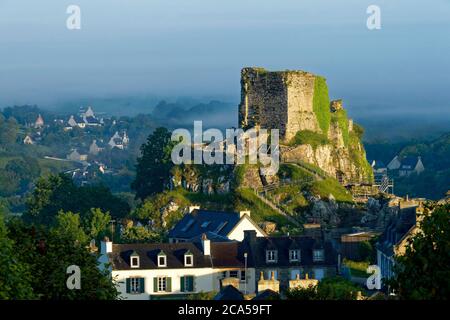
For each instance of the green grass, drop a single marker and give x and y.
(312, 138)
(5, 159)
(247, 200)
(55, 166)
(294, 173)
(290, 198)
(321, 104)
(340, 117)
(328, 186)
(359, 158)
(357, 269)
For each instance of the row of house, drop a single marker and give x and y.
(210, 250)
(403, 166)
(86, 118)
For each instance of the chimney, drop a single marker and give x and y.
(206, 243)
(192, 208)
(242, 213)
(106, 246)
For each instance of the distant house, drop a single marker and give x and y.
(217, 225)
(286, 258)
(89, 113)
(411, 165)
(75, 121)
(84, 119)
(119, 141)
(393, 241)
(39, 123)
(394, 164)
(75, 156)
(95, 149)
(91, 121)
(28, 140)
(406, 166)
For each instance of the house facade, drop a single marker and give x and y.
(280, 260)
(174, 270)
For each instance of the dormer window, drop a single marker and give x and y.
(271, 256)
(318, 255)
(294, 255)
(134, 260)
(188, 259)
(162, 259)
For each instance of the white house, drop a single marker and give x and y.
(215, 224)
(146, 271)
(28, 140)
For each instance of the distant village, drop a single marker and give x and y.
(89, 164)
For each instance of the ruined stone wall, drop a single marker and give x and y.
(277, 100)
(300, 88)
(285, 100)
(263, 101)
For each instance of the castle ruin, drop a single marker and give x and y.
(277, 100)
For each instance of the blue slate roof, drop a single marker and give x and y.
(198, 222)
(409, 163)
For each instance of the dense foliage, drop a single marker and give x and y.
(154, 164)
(321, 104)
(58, 192)
(423, 272)
(336, 288)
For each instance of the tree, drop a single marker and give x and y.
(25, 169)
(9, 183)
(154, 164)
(140, 234)
(15, 275)
(98, 224)
(68, 227)
(423, 272)
(50, 251)
(58, 192)
(335, 288)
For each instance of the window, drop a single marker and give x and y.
(162, 284)
(135, 285)
(162, 259)
(318, 255)
(187, 284)
(243, 276)
(294, 255)
(188, 260)
(271, 256)
(135, 262)
(233, 274)
(224, 274)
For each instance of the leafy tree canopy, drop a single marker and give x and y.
(423, 272)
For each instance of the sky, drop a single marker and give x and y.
(197, 48)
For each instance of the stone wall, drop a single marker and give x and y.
(277, 100)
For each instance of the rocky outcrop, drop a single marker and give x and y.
(297, 102)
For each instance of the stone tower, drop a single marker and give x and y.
(277, 100)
